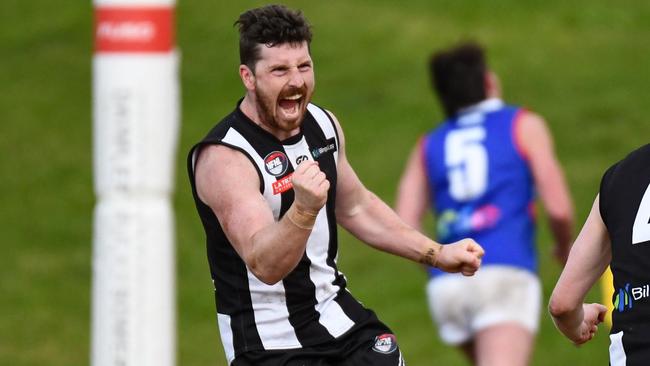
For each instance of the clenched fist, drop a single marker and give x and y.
(310, 187)
(594, 314)
(462, 256)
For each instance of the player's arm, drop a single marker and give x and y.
(537, 144)
(370, 220)
(589, 257)
(228, 183)
(413, 193)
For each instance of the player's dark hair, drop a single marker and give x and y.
(269, 25)
(458, 76)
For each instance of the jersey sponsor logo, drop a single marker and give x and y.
(623, 299)
(329, 147)
(283, 184)
(467, 220)
(385, 343)
(301, 158)
(276, 163)
(626, 296)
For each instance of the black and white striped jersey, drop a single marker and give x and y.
(311, 305)
(625, 210)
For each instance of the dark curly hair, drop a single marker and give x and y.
(458, 76)
(269, 25)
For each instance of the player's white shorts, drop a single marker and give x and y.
(462, 306)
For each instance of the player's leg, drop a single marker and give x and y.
(503, 344)
(450, 298)
(506, 317)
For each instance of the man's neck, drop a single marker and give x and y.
(247, 106)
(488, 104)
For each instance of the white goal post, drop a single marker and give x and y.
(135, 132)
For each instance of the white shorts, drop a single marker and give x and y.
(462, 306)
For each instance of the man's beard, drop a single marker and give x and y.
(266, 105)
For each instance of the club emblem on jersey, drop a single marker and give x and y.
(385, 343)
(276, 163)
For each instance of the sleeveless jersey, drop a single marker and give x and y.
(625, 210)
(309, 306)
(480, 184)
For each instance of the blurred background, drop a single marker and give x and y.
(581, 64)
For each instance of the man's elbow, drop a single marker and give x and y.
(266, 265)
(561, 218)
(268, 277)
(269, 273)
(559, 307)
(561, 214)
(270, 280)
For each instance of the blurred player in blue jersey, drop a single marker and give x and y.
(479, 171)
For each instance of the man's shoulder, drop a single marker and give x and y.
(513, 113)
(318, 111)
(311, 105)
(511, 106)
(214, 136)
(641, 154)
(219, 129)
(635, 159)
(318, 117)
(624, 170)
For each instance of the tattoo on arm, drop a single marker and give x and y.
(431, 255)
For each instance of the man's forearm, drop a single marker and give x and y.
(277, 249)
(376, 224)
(562, 231)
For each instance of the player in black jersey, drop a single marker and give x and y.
(616, 233)
(271, 182)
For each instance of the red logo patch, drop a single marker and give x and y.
(134, 29)
(282, 185)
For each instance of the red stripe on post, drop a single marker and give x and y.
(134, 29)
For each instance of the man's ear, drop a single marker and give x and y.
(247, 77)
(492, 85)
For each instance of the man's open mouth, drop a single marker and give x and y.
(290, 104)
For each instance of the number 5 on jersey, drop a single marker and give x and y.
(467, 163)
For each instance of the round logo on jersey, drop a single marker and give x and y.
(385, 343)
(276, 163)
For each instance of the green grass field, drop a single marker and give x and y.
(582, 64)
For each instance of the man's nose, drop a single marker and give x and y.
(295, 78)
